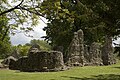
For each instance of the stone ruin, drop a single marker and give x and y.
(13, 57)
(76, 50)
(35, 48)
(107, 52)
(39, 61)
(81, 54)
(94, 56)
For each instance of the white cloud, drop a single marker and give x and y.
(117, 41)
(20, 38)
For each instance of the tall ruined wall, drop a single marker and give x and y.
(95, 54)
(76, 50)
(81, 54)
(107, 52)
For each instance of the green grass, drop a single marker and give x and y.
(111, 72)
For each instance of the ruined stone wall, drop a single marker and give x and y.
(76, 50)
(40, 61)
(81, 54)
(107, 52)
(13, 57)
(95, 54)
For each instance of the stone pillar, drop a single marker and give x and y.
(86, 54)
(81, 46)
(95, 54)
(73, 51)
(76, 50)
(107, 52)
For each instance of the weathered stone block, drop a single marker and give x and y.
(40, 61)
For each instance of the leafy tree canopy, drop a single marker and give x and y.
(96, 18)
(22, 14)
(5, 44)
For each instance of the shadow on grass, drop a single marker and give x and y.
(99, 77)
(116, 67)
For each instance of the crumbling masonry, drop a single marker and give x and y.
(80, 54)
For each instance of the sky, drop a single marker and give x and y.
(20, 38)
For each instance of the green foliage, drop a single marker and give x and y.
(20, 13)
(77, 73)
(96, 18)
(5, 49)
(23, 49)
(5, 44)
(4, 28)
(43, 44)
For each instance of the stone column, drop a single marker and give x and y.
(73, 51)
(76, 49)
(81, 46)
(107, 51)
(86, 54)
(95, 54)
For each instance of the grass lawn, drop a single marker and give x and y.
(111, 72)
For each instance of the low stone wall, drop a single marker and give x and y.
(40, 61)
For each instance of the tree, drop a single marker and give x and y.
(67, 19)
(5, 48)
(5, 44)
(96, 18)
(23, 16)
(23, 49)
